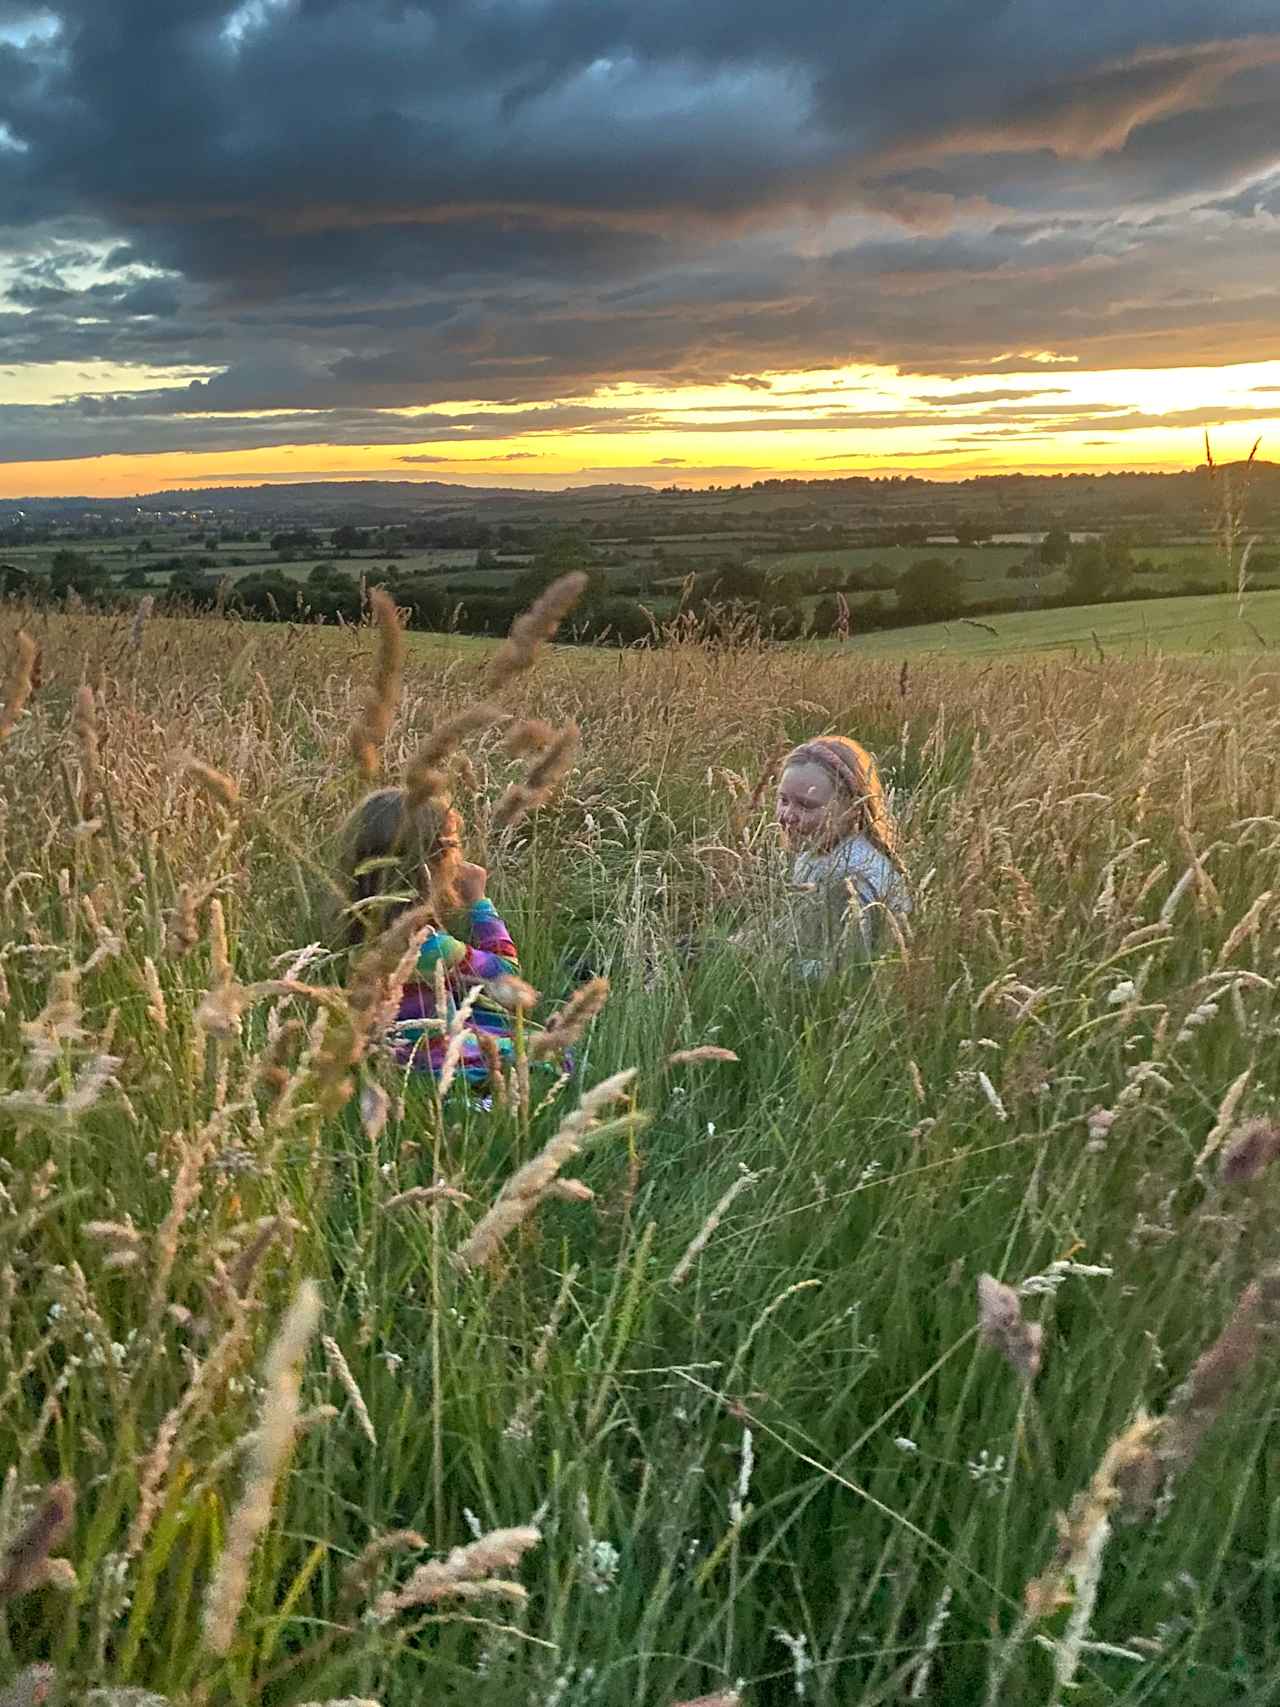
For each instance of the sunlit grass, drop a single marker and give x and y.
(772, 1470)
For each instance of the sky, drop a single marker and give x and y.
(543, 243)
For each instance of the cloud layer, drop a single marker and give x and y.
(335, 208)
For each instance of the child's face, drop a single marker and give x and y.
(807, 805)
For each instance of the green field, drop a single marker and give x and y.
(1206, 624)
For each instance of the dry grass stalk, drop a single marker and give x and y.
(703, 1052)
(185, 1190)
(157, 1008)
(1247, 926)
(564, 1029)
(84, 726)
(26, 1560)
(531, 735)
(362, 1569)
(141, 616)
(184, 925)
(702, 1238)
(273, 1071)
(571, 1191)
(1226, 1114)
(467, 1573)
(1129, 1463)
(377, 980)
(532, 1183)
(371, 728)
(1001, 1325)
(263, 1235)
(1216, 1374)
(1133, 1469)
(272, 1447)
(727, 1698)
(531, 631)
(220, 787)
(521, 798)
(458, 1036)
(200, 1392)
(424, 778)
(341, 1369)
(421, 1195)
(19, 687)
(512, 992)
(487, 1044)
(517, 1200)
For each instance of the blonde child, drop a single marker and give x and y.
(395, 856)
(832, 810)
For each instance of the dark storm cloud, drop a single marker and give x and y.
(354, 205)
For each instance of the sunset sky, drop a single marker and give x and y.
(551, 242)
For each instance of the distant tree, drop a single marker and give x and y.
(1089, 574)
(735, 580)
(189, 586)
(623, 621)
(971, 532)
(1055, 547)
(74, 572)
(297, 542)
(930, 588)
(1118, 550)
(826, 617)
(347, 538)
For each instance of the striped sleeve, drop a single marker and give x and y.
(490, 953)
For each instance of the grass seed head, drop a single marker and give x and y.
(531, 631)
(372, 727)
(1001, 1325)
(21, 684)
(26, 1558)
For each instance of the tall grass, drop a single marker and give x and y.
(276, 1389)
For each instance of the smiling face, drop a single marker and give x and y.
(808, 808)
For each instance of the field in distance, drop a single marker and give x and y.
(1210, 623)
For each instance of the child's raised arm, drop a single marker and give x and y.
(490, 953)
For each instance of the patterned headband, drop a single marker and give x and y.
(829, 756)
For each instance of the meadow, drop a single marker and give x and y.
(319, 1388)
(1217, 625)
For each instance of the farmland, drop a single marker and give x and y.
(761, 1441)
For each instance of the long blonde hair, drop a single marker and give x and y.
(397, 854)
(857, 778)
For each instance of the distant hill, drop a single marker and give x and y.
(1188, 497)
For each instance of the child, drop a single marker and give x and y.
(832, 808)
(394, 855)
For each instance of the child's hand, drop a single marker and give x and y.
(471, 881)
